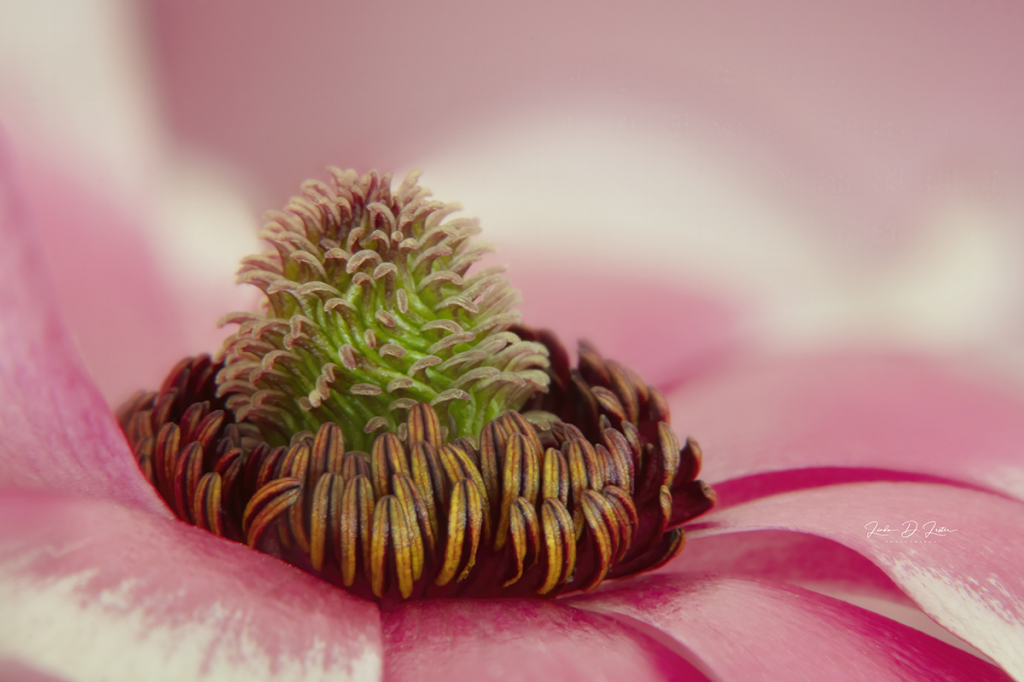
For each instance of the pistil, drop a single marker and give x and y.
(370, 309)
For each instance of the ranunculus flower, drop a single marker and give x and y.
(884, 476)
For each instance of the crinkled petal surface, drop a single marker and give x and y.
(94, 591)
(751, 630)
(891, 413)
(56, 431)
(967, 577)
(520, 641)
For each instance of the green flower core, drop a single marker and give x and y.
(369, 310)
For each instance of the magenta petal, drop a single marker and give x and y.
(663, 331)
(967, 578)
(787, 557)
(91, 590)
(56, 432)
(752, 630)
(518, 641)
(879, 412)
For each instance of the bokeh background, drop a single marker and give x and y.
(775, 176)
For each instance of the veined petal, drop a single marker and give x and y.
(850, 411)
(56, 432)
(520, 640)
(93, 591)
(807, 561)
(967, 577)
(786, 557)
(746, 629)
(665, 333)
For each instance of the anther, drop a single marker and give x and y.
(266, 505)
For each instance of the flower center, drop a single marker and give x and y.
(370, 310)
(386, 425)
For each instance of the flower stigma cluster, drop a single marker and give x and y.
(387, 423)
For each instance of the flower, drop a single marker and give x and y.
(98, 580)
(387, 422)
(855, 141)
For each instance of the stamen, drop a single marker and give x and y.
(355, 524)
(449, 454)
(206, 510)
(464, 529)
(391, 540)
(266, 505)
(558, 532)
(524, 508)
(525, 531)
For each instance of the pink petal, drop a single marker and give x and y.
(967, 580)
(895, 413)
(92, 590)
(520, 640)
(664, 332)
(786, 557)
(752, 630)
(56, 432)
(106, 283)
(13, 671)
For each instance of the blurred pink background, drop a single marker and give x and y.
(854, 110)
(835, 175)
